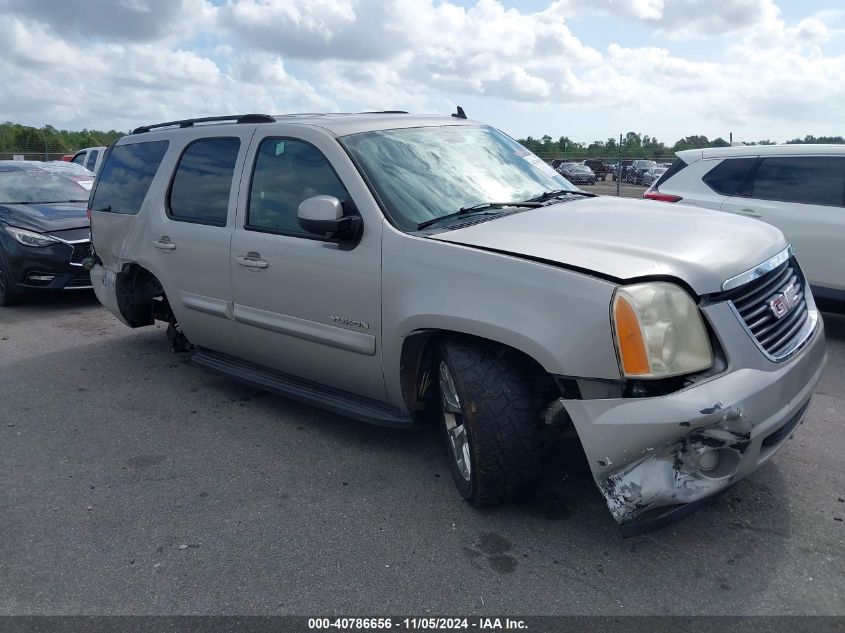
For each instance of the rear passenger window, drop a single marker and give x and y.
(286, 173)
(727, 176)
(92, 159)
(805, 179)
(126, 177)
(203, 181)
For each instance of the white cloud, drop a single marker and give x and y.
(108, 85)
(137, 61)
(115, 20)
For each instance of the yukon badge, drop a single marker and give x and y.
(782, 302)
(352, 322)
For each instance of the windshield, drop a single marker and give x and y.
(428, 172)
(39, 186)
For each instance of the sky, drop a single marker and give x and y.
(586, 69)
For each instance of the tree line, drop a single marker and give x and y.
(23, 138)
(635, 145)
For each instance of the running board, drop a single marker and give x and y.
(334, 400)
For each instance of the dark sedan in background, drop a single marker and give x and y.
(44, 230)
(577, 174)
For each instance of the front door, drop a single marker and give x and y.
(304, 306)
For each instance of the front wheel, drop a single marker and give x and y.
(8, 295)
(490, 423)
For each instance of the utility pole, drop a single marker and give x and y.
(731, 136)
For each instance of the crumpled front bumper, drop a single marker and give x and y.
(646, 453)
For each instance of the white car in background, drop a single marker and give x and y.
(91, 158)
(74, 171)
(800, 189)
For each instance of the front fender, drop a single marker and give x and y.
(558, 317)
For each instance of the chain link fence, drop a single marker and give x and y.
(623, 166)
(35, 151)
(28, 155)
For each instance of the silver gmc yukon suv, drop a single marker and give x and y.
(380, 265)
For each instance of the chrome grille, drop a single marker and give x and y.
(81, 250)
(759, 305)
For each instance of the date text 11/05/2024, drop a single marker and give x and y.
(430, 623)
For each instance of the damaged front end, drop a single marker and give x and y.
(685, 471)
(656, 459)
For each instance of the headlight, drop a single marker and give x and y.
(31, 238)
(659, 331)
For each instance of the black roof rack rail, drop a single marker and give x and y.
(385, 112)
(237, 118)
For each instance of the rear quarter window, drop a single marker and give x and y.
(126, 177)
(677, 166)
(728, 175)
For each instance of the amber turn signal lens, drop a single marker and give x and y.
(632, 350)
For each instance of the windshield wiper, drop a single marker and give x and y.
(481, 206)
(556, 193)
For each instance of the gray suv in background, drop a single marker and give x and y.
(382, 265)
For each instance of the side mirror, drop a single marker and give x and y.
(324, 215)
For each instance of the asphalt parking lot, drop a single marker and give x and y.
(133, 482)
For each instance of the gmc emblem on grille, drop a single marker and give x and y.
(782, 302)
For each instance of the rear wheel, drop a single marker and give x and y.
(490, 423)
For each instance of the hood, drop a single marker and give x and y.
(46, 218)
(626, 239)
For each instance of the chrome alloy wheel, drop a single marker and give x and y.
(454, 418)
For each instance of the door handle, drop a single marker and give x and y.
(164, 244)
(252, 260)
(751, 213)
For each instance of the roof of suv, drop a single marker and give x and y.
(339, 124)
(791, 149)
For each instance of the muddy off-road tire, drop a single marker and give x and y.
(489, 421)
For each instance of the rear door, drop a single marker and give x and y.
(303, 306)
(190, 231)
(804, 197)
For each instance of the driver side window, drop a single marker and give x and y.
(288, 171)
